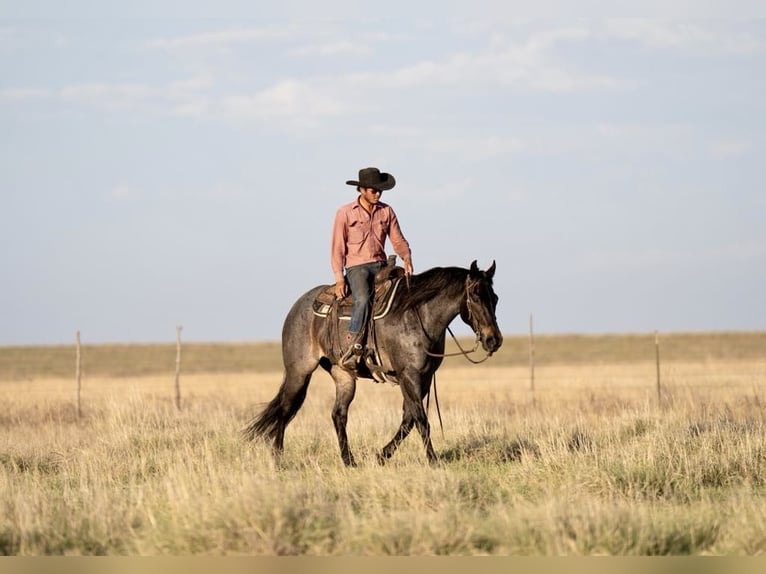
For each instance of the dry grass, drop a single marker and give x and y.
(130, 360)
(590, 464)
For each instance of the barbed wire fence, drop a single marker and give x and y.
(165, 359)
(78, 372)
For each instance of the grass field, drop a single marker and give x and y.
(592, 462)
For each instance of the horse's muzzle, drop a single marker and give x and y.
(492, 343)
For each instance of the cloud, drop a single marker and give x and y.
(122, 193)
(332, 48)
(296, 102)
(560, 81)
(476, 148)
(730, 148)
(394, 131)
(501, 63)
(24, 94)
(751, 252)
(176, 98)
(108, 95)
(685, 35)
(221, 38)
(668, 256)
(528, 57)
(447, 190)
(655, 33)
(627, 139)
(504, 62)
(8, 37)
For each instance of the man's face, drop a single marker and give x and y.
(370, 195)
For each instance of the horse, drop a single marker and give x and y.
(409, 341)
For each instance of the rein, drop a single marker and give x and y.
(462, 352)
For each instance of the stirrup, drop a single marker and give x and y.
(350, 358)
(377, 372)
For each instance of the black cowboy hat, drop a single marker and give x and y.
(372, 177)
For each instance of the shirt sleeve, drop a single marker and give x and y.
(398, 241)
(338, 245)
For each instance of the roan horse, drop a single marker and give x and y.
(410, 343)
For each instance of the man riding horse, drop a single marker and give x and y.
(358, 245)
(408, 339)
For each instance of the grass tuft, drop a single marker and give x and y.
(589, 463)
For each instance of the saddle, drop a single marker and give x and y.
(386, 284)
(328, 307)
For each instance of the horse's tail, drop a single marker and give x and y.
(277, 413)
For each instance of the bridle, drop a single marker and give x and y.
(463, 352)
(468, 304)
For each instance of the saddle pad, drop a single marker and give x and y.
(385, 291)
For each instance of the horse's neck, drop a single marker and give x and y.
(438, 313)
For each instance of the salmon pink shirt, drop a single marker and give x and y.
(360, 237)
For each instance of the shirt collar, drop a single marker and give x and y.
(357, 204)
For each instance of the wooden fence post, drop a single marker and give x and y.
(531, 355)
(77, 373)
(657, 358)
(178, 367)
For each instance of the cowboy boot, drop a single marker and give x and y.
(350, 358)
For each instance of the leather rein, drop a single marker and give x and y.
(461, 351)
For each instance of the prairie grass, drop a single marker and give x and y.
(131, 360)
(590, 463)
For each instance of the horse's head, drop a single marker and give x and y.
(478, 308)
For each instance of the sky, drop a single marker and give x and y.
(167, 164)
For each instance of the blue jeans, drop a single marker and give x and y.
(361, 280)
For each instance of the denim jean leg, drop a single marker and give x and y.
(361, 280)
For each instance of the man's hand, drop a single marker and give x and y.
(341, 289)
(408, 267)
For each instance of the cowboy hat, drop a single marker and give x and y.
(372, 177)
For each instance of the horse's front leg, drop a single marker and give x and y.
(424, 428)
(414, 415)
(345, 389)
(404, 429)
(415, 394)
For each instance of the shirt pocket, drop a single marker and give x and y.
(358, 232)
(380, 228)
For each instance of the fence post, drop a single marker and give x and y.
(657, 358)
(531, 355)
(77, 373)
(178, 367)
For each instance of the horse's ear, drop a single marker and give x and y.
(474, 268)
(491, 270)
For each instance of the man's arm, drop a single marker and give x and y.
(400, 244)
(338, 252)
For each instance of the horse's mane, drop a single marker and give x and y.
(427, 285)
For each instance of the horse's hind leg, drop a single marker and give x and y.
(274, 418)
(290, 401)
(345, 389)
